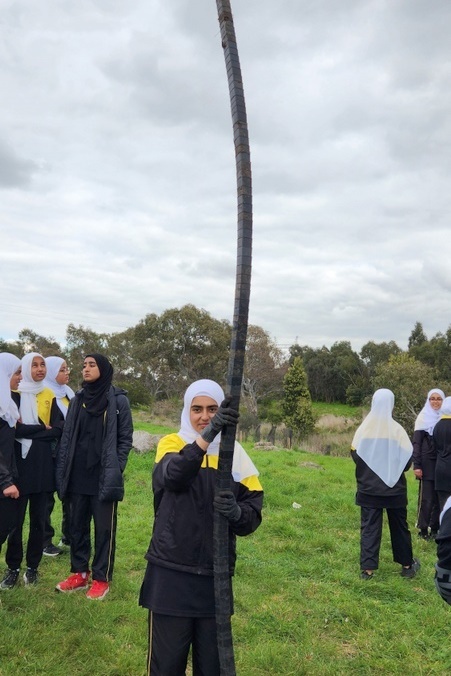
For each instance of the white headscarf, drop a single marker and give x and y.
(61, 391)
(381, 442)
(428, 417)
(242, 466)
(445, 411)
(28, 389)
(9, 364)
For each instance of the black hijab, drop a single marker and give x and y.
(95, 395)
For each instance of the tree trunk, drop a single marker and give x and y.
(223, 591)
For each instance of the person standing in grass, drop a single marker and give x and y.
(442, 442)
(443, 565)
(424, 461)
(382, 452)
(57, 380)
(38, 429)
(10, 377)
(96, 441)
(178, 587)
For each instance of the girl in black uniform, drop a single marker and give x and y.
(10, 377)
(37, 431)
(178, 588)
(382, 452)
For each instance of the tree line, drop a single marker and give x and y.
(160, 356)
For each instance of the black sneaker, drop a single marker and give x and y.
(9, 579)
(52, 550)
(412, 570)
(30, 576)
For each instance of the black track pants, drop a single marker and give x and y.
(371, 533)
(170, 639)
(83, 508)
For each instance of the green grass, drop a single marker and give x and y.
(153, 429)
(342, 410)
(300, 607)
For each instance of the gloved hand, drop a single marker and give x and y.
(225, 503)
(223, 416)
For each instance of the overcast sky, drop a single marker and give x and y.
(117, 170)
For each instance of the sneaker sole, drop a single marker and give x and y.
(97, 598)
(69, 591)
(52, 555)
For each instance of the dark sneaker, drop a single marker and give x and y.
(9, 579)
(423, 535)
(412, 570)
(51, 550)
(365, 575)
(30, 576)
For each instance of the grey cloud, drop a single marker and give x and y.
(15, 172)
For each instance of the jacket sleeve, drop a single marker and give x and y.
(249, 496)
(124, 430)
(417, 443)
(175, 469)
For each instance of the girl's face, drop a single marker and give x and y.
(38, 369)
(62, 377)
(201, 412)
(15, 379)
(435, 401)
(91, 371)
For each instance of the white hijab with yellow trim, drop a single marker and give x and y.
(9, 364)
(242, 466)
(381, 442)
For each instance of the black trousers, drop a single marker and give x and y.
(442, 498)
(9, 512)
(371, 519)
(83, 508)
(49, 531)
(428, 506)
(37, 508)
(169, 642)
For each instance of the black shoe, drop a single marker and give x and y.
(365, 576)
(423, 535)
(9, 579)
(412, 570)
(51, 550)
(30, 576)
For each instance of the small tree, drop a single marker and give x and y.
(297, 404)
(409, 381)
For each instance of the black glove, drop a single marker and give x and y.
(225, 503)
(223, 416)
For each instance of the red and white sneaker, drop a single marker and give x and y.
(74, 582)
(98, 590)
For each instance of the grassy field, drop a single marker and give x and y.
(300, 607)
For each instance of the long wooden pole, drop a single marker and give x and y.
(223, 590)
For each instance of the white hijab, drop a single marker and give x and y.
(242, 466)
(9, 364)
(428, 417)
(28, 389)
(381, 442)
(61, 391)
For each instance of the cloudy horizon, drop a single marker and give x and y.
(117, 173)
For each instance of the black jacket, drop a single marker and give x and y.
(373, 492)
(442, 441)
(116, 445)
(424, 455)
(183, 484)
(8, 468)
